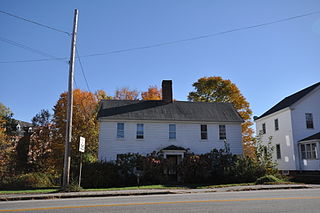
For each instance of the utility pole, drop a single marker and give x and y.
(67, 146)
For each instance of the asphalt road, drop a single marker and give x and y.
(293, 201)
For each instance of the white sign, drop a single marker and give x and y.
(82, 144)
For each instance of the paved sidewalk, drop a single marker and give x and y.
(10, 197)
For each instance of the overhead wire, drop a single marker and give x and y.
(25, 47)
(180, 40)
(82, 70)
(36, 23)
(202, 36)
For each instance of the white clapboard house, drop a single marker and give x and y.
(294, 124)
(166, 126)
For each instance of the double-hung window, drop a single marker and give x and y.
(276, 124)
(222, 132)
(140, 131)
(204, 132)
(264, 129)
(309, 121)
(278, 150)
(120, 130)
(172, 131)
(309, 151)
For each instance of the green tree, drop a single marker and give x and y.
(216, 89)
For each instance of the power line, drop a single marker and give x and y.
(39, 52)
(202, 36)
(34, 22)
(181, 40)
(82, 70)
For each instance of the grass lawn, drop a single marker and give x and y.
(28, 191)
(193, 186)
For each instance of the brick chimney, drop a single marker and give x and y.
(167, 91)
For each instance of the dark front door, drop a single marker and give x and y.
(172, 167)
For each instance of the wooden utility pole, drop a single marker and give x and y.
(67, 149)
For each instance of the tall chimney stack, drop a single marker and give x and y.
(167, 91)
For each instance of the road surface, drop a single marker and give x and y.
(292, 201)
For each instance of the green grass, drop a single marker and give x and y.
(28, 191)
(192, 186)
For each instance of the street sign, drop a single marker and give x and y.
(82, 144)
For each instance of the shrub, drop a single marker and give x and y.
(268, 179)
(193, 169)
(100, 175)
(28, 181)
(246, 170)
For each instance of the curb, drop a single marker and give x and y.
(132, 193)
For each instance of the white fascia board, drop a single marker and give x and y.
(317, 89)
(273, 114)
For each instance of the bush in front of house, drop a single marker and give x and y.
(100, 175)
(28, 181)
(268, 179)
(247, 170)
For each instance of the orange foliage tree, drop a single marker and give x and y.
(153, 93)
(126, 94)
(84, 124)
(216, 89)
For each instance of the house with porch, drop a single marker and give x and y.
(294, 126)
(166, 126)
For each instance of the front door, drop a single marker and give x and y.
(172, 167)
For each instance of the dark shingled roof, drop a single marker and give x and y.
(173, 111)
(312, 137)
(288, 101)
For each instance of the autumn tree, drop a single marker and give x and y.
(216, 89)
(7, 128)
(153, 93)
(102, 95)
(126, 94)
(84, 124)
(40, 141)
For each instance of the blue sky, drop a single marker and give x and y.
(266, 63)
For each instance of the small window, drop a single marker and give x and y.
(278, 150)
(309, 151)
(172, 131)
(264, 130)
(140, 131)
(204, 132)
(309, 121)
(120, 130)
(276, 124)
(222, 132)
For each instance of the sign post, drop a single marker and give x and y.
(82, 144)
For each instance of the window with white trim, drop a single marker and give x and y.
(309, 151)
(222, 132)
(172, 131)
(278, 151)
(309, 121)
(140, 131)
(204, 131)
(120, 130)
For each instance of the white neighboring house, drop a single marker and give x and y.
(294, 124)
(168, 126)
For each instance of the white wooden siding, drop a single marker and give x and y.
(292, 129)
(156, 137)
